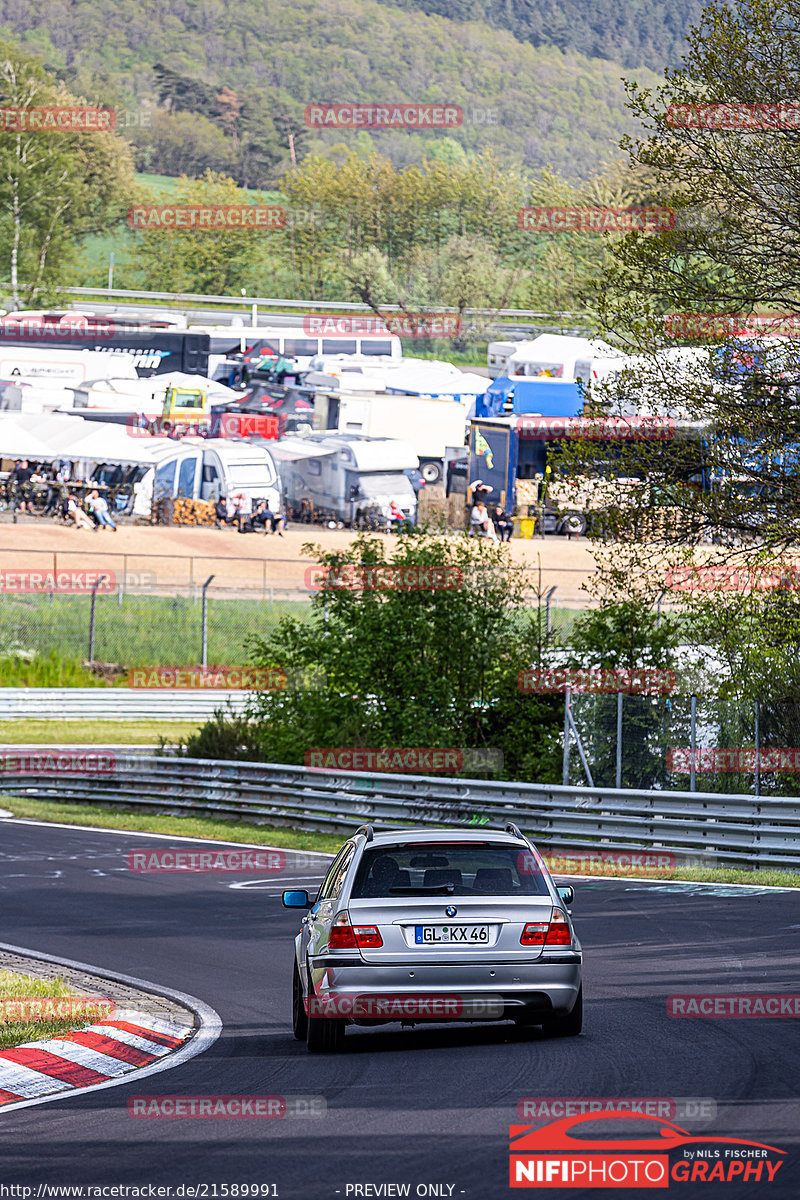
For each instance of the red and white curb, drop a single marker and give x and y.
(131, 1044)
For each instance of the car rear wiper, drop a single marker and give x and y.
(442, 889)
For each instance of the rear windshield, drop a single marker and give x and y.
(449, 868)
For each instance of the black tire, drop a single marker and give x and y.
(570, 1025)
(324, 1035)
(299, 1018)
(431, 472)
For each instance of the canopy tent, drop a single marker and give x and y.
(54, 436)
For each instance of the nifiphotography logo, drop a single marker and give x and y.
(570, 1153)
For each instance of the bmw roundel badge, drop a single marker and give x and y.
(451, 910)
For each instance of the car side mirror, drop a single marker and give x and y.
(566, 893)
(296, 899)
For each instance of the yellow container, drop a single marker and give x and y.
(526, 527)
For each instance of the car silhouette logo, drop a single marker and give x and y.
(451, 910)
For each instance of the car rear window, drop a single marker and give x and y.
(471, 869)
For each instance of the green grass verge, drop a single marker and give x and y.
(16, 987)
(93, 733)
(238, 831)
(172, 824)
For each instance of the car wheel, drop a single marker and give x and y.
(575, 523)
(431, 472)
(571, 1024)
(324, 1035)
(299, 1018)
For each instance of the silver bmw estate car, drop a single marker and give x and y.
(416, 925)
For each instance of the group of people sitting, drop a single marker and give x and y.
(496, 524)
(93, 513)
(249, 517)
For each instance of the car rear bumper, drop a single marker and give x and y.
(516, 989)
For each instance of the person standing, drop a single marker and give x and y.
(21, 476)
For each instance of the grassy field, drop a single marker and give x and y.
(142, 631)
(92, 733)
(203, 827)
(14, 1028)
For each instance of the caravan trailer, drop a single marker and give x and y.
(346, 479)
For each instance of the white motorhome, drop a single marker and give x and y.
(553, 356)
(61, 367)
(345, 479)
(572, 359)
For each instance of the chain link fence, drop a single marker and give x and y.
(702, 743)
(133, 630)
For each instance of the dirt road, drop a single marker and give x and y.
(167, 557)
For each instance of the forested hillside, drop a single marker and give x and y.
(213, 84)
(632, 34)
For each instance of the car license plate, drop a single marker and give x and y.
(471, 935)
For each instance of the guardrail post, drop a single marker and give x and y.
(618, 776)
(548, 622)
(565, 763)
(204, 647)
(758, 750)
(93, 601)
(693, 744)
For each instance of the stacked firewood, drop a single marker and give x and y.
(193, 512)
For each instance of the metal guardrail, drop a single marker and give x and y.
(726, 829)
(115, 704)
(279, 302)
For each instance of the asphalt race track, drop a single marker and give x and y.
(425, 1106)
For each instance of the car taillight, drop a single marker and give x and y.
(344, 936)
(540, 933)
(367, 937)
(559, 933)
(534, 934)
